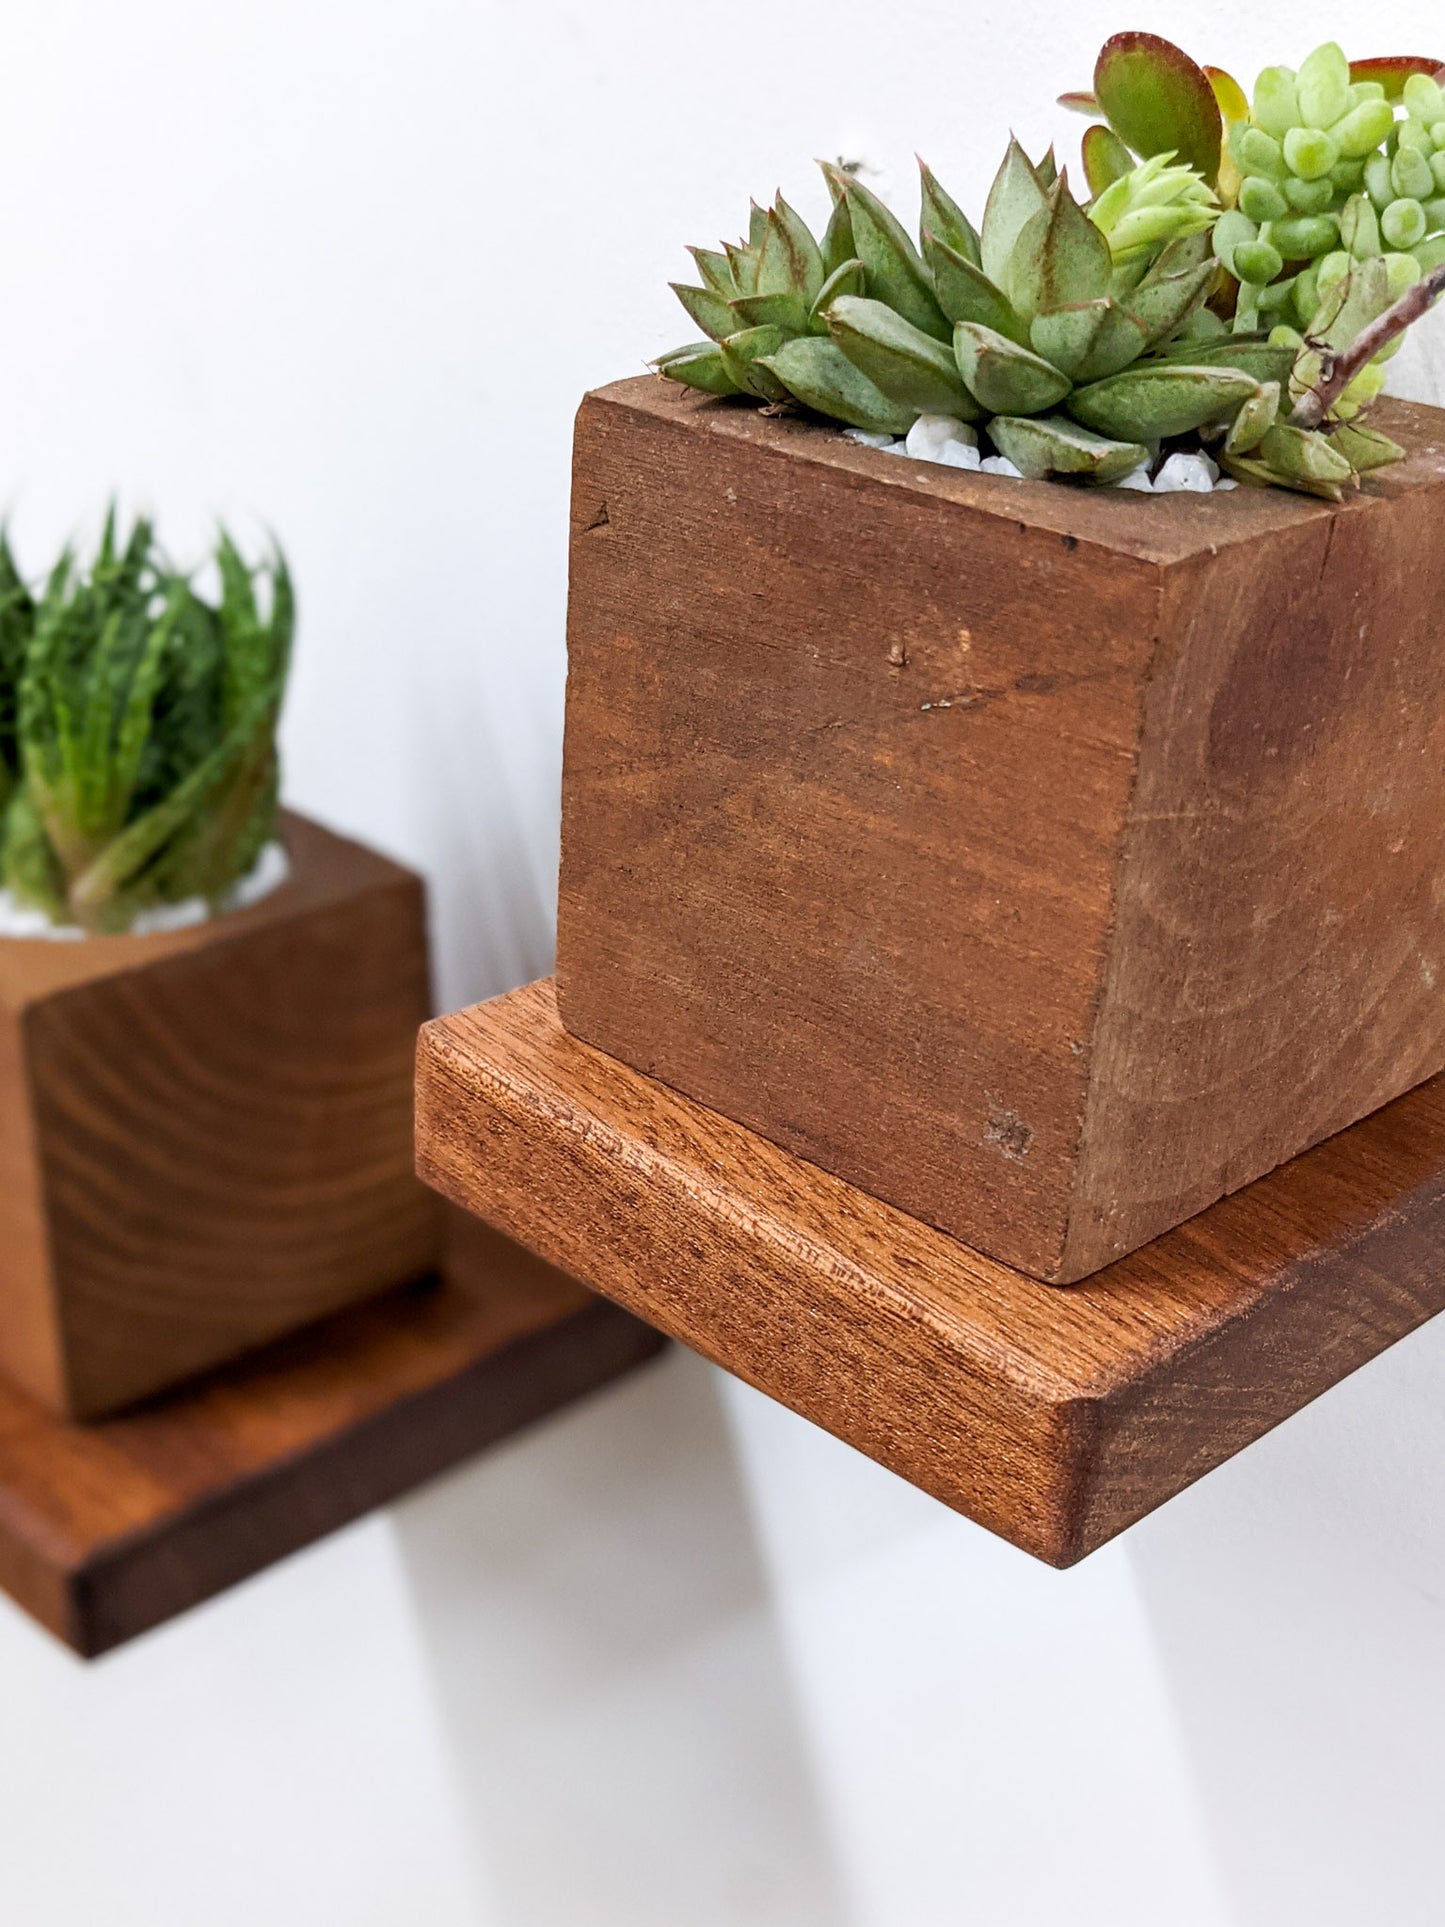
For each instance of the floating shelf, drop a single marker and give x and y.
(107, 1529)
(1055, 1416)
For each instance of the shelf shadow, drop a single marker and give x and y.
(611, 1677)
(1298, 1599)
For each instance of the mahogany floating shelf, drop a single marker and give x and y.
(107, 1529)
(1055, 1416)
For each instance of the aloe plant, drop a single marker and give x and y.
(138, 761)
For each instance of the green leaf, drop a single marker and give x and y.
(820, 375)
(895, 272)
(1150, 402)
(715, 271)
(805, 259)
(707, 308)
(1005, 378)
(1080, 103)
(1015, 197)
(1120, 341)
(741, 354)
(1392, 73)
(1295, 458)
(1066, 337)
(1162, 304)
(786, 311)
(743, 265)
(838, 244)
(942, 217)
(1158, 101)
(699, 365)
(757, 225)
(909, 367)
(849, 277)
(1106, 158)
(1254, 355)
(1047, 445)
(1060, 258)
(1365, 448)
(965, 292)
(1257, 415)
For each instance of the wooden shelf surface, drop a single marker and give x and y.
(1055, 1416)
(107, 1529)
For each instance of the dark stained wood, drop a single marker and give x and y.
(205, 1137)
(1047, 862)
(1055, 1417)
(109, 1529)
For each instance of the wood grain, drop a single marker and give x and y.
(108, 1529)
(205, 1137)
(1044, 861)
(1055, 1417)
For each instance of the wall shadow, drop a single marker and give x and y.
(611, 1677)
(1298, 1599)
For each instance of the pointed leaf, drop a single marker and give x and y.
(965, 292)
(742, 356)
(1048, 169)
(804, 254)
(757, 225)
(849, 277)
(707, 308)
(1066, 337)
(1298, 458)
(786, 311)
(942, 217)
(1015, 197)
(1366, 448)
(715, 271)
(895, 272)
(1052, 445)
(1253, 355)
(1158, 101)
(743, 265)
(1257, 416)
(1006, 379)
(910, 367)
(1106, 158)
(838, 236)
(820, 375)
(1162, 305)
(1060, 257)
(1119, 342)
(776, 263)
(699, 365)
(1150, 402)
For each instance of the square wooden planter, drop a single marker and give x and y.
(205, 1137)
(1045, 862)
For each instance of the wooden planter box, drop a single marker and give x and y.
(205, 1137)
(1045, 862)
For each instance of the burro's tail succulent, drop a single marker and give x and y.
(1080, 349)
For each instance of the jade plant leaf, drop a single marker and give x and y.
(1106, 158)
(1044, 445)
(1149, 402)
(1158, 101)
(1006, 379)
(1060, 257)
(908, 366)
(965, 292)
(1080, 102)
(941, 216)
(895, 272)
(1392, 71)
(1016, 195)
(820, 375)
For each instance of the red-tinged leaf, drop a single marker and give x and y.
(1233, 106)
(1158, 101)
(1081, 103)
(1106, 158)
(1393, 70)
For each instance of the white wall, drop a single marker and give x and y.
(676, 1658)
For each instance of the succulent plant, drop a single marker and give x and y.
(137, 730)
(1077, 361)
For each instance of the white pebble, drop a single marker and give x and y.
(1224, 482)
(1001, 465)
(1137, 478)
(1188, 473)
(960, 455)
(930, 436)
(868, 438)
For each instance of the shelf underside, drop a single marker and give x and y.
(108, 1529)
(1053, 1416)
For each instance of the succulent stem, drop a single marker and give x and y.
(1340, 369)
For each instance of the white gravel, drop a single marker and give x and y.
(272, 869)
(954, 444)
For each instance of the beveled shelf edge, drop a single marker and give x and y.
(1055, 1417)
(109, 1529)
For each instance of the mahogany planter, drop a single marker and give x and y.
(1045, 862)
(205, 1137)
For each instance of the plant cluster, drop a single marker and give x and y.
(138, 762)
(1239, 275)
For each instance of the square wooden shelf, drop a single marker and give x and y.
(109, 1528)
(1054, 1415)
